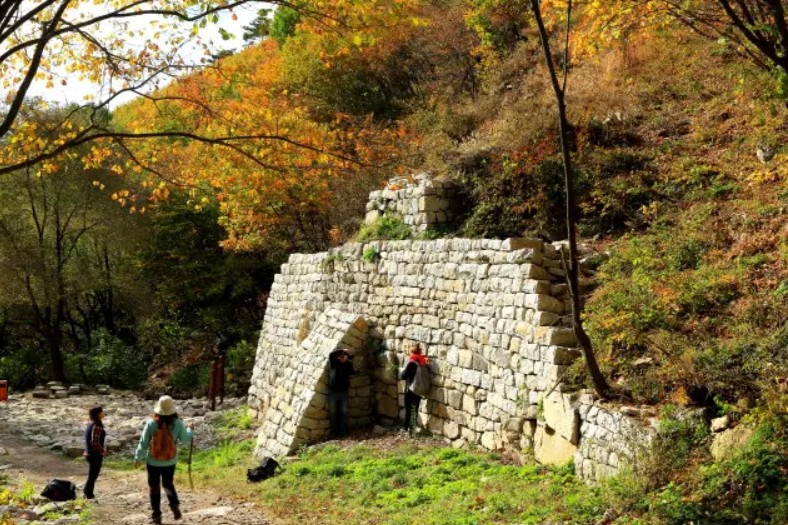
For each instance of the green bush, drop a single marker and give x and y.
(191, 379)
(384, 229)
(109, 361)
(437, 231)
(22, 368)
(163, 337)
(239, 364)
(511, 198)
(662, 299)
(751, 487)
(358, 83)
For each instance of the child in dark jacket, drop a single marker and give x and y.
(95, 450)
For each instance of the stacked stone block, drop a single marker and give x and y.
(421, 204)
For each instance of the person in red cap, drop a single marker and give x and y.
(417, 384)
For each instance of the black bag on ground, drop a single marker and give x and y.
(267, 469)
(60, 490)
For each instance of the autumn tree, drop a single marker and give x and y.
(44, 41)
(273, 198)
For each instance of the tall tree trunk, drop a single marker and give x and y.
(559, 89)
(56, 355)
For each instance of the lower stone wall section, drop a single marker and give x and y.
(601, 438)
(612, 439)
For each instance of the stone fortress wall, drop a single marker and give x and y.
(491, 315)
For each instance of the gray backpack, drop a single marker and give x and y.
(421, 381)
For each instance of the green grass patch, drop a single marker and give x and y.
(406, 485)
(385, 228)
(233, 423)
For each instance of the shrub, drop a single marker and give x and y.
(109, 361)
(751, 487)
(510, 198)
(385, 228)
(22, 368)
(239, 364)
(191, 379)
(358, 83)
(437, 231)
(613, 188)
(371, 254)
(163, 337)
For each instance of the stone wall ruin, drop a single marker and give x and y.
(491, 315)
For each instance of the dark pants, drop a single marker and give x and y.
(412, 402)
(161, 477)
(95, 461)
(337, 406)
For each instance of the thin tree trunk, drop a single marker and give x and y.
(56, 356)
(559, 89)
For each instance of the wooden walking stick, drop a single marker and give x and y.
(191, 452)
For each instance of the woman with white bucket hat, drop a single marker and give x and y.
(158, 447)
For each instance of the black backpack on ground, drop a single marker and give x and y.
(267, 469)
(60, 490)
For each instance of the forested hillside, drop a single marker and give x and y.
(134, 262)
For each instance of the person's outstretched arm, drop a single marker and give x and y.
(185, 435)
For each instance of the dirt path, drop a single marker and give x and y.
(122, 496)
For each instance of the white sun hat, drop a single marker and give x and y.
(165, 406)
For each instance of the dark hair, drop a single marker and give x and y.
(416, 349)
(94, 412)
(166, 421)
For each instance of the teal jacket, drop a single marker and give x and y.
(180, 434)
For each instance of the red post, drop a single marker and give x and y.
(3, 391)
(221, 380)
(212, 385)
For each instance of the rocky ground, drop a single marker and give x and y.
(58, 424)
(121, 496)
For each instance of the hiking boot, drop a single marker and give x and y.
(176, 512)
(155, 520)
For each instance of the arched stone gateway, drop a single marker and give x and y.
(297, 412)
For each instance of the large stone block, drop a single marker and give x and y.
(562, 416)
(552, 449)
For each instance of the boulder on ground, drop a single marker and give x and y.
(729, 443)
(721, 423)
